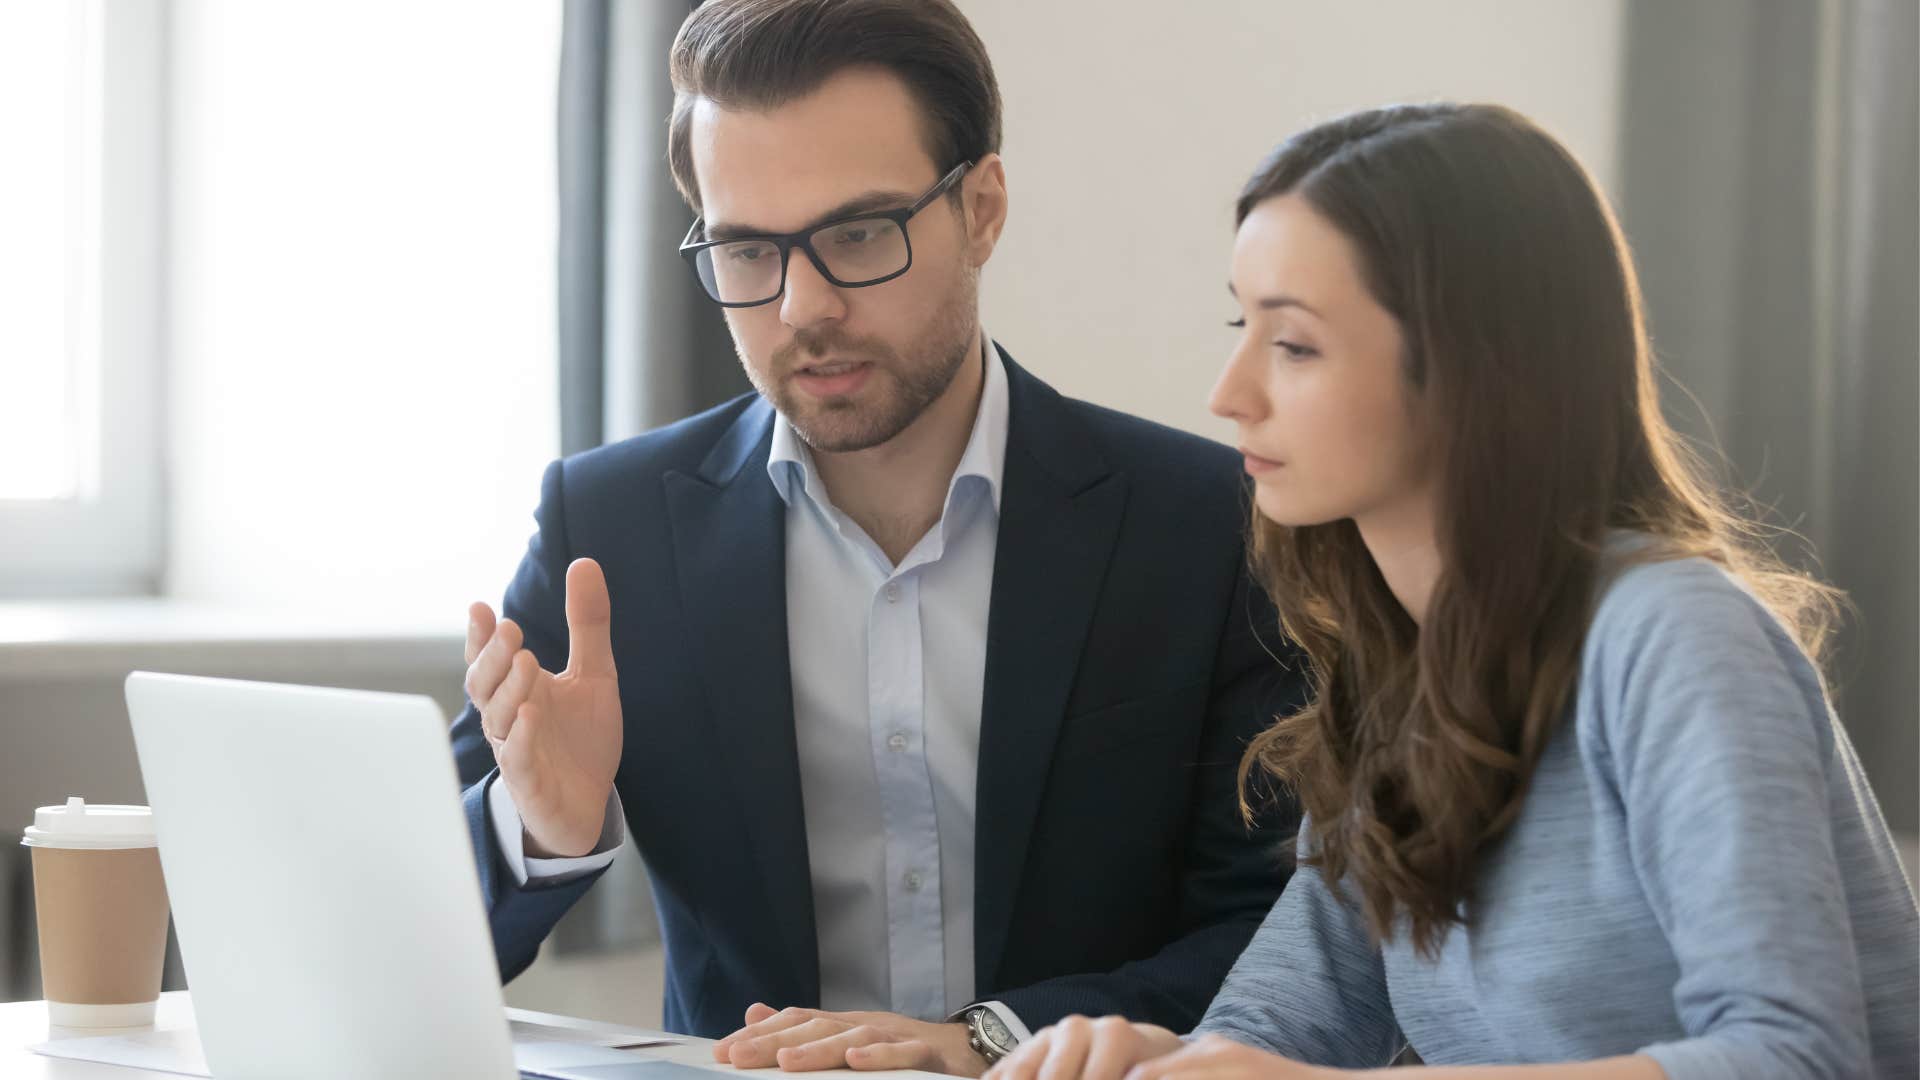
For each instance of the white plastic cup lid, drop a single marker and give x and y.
(77, 825)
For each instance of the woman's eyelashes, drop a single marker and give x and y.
(1294, 350)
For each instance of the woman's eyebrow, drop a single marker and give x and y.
(1270, 303)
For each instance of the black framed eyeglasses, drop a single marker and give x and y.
(851, 252)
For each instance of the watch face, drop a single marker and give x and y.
(995, 1031)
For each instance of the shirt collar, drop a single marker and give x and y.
(984, 457)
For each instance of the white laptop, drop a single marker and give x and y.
(324, 889)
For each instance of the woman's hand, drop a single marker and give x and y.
(1078, 1047)
(1111, 1048)
(1218, 1058)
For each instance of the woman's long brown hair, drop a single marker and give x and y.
(1528, 359)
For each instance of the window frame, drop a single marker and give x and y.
(110, 540)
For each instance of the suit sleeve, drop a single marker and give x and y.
(521, 916)
(1232, 873)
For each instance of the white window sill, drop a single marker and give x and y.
(91, 639)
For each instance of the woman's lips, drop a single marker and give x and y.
(1257, 465)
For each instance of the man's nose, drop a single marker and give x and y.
(810, 298)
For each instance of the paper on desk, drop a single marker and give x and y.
(177, 1050)
(616, 1039)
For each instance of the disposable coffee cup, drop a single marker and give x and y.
(101, 906)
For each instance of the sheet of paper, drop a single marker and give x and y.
(565, 1060)
(175, 1050)
(616, 1038)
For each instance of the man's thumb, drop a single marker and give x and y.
(589, 620)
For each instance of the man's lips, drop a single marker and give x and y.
(833, 378)
(830, 368)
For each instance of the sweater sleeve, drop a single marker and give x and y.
(1311, 985)
(1718, 737)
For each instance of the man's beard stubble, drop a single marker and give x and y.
(909, 384)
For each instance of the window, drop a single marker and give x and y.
(361, 382)
(279, 329)
(80, 105)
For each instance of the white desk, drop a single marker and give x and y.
(24, 1024)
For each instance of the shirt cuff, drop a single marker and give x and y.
(1006, 1015)
(510, 835)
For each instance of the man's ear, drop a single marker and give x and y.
(983, 197)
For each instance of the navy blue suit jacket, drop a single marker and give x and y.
(1126, 670)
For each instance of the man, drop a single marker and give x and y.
(920, 687)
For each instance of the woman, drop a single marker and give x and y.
(1574, 792)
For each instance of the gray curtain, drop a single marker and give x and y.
(639, 345)
(1769, 191)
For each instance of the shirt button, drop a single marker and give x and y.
(913, 881)
(897, 742)
(893, 592)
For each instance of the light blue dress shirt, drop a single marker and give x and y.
(888, 664)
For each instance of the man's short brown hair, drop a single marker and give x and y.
(760, 54)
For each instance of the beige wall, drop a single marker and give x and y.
(1129, 129)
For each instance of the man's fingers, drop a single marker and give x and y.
(490, 667)
(770, 1021)
(589, 620)
(911, 1054)
(511, 754)
(831, 1052)
(497, 718)
(759, 1052)
(758, 1014)
(479, 629)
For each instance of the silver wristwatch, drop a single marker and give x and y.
(988, 1034)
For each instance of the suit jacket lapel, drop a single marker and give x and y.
(729, 540)
(1060, 509)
